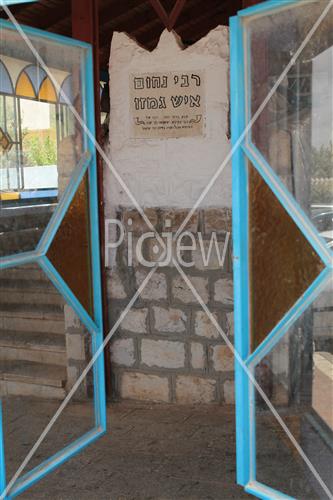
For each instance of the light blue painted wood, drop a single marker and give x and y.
(265, 492)
(2, 454)
(240, 248)
(67, 293)
(38, 473)
(99, 374)
(18, 259)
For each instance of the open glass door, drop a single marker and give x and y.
(282, 133)
(51, 328)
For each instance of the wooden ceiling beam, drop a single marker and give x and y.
(117, 9)
(151, 26)
(150, 31)
(130, 25)
(175, 13)
(56, 16)
(168, 20)
(14, 9)
(136, 17)
(195, 22)
(161, 12)
(192, 11)
(215, 12)
(196, 13)
(42, 15)
(195, 35)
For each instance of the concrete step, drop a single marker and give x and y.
(19, 241)
(26, 378)
(16, 219)
(32, 335)
(42, 309)
(30, 272)
(29, 292)
(39, 319)
(41, 347)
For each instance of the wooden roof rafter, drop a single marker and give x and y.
(143, 20)
(169, 20)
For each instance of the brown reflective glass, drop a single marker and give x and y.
(70, 249)
(282, 262)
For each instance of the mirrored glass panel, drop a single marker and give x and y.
(40, 140)
(43, 350)
(297, 377)
(294, 132)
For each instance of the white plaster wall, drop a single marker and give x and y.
(170, 172)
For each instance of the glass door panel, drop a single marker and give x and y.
(51, 328)
(282, 131)
(294, 131)
(297, 377)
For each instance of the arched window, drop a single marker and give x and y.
(8, 127)
(34, 116)
(67, 89)
(29, 82)
(24, 87)
(33, 83)
(6, 85)
(37, 75)
(47, 91)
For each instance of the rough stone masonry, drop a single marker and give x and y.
(166, 348)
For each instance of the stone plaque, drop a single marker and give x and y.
(167, 105)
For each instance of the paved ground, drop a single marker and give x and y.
(150, 452)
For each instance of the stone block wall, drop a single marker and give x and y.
(166, 348)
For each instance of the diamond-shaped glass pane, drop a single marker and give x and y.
(294, 132)
(46, 143)
(283, 264)
(297, 377)
(44, 348)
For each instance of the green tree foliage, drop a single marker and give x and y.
(40, 150)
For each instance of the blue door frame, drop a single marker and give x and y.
(94, 325)
(243, 152)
